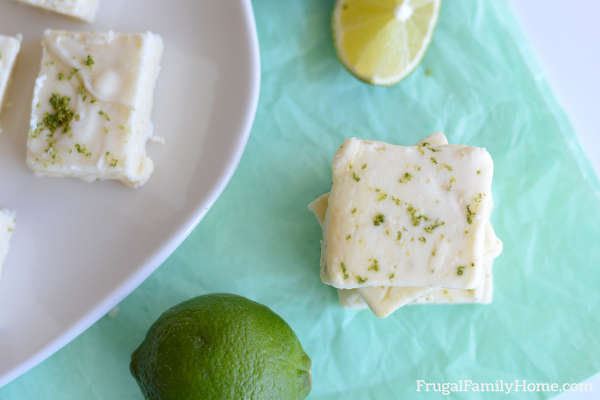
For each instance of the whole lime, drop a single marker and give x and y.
(221, 346)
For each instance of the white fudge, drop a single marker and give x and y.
(406, 216)
(7, 226)
(9, 49)
(81, 9)
(383, 300)
(91, 106)
(351, 299)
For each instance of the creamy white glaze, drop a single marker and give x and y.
(9, 49)
(383, 300)
(436, 185)
(108, 79)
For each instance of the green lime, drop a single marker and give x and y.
(221, 346)
(381, 42)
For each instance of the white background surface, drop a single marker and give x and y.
(566, 38)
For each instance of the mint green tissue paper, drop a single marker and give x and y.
(485, 89)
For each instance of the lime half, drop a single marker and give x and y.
(382, 41)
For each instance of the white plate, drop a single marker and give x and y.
(80, 248)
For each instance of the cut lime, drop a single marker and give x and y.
(382, 41)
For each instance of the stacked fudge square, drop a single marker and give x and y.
(92, 103)
(408, 225)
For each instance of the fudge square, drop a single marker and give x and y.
(7, 226)
(81, 9)
(91, 106)
(384, 300)
(9, 49)
(411, 216)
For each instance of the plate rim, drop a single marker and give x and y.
(160, 254)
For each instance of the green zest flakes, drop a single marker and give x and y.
(460, 270)
(433, 160)
(364, 166)
(82, 149)
(112, 162)
(470, 211)
(62, 116)
(415, 219)
(399, 235)
(435, 225)
(355, 177)
(427, 145)
(449, 168)
(405, 178)
(450, 184)
(374, 265)
(344, 270)
(422, 239)
(85, 94)
(61, 76)
(361, 280)
(104, 114)
(378, 219)
(89, 61)
(470, 214)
